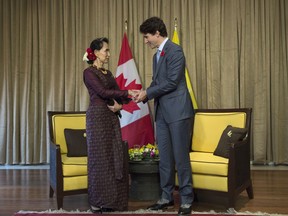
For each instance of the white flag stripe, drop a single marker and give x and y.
(128, 118)
(129, 71)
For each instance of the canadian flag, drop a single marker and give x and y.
(136, 125)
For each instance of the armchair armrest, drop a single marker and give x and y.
(239, 163)
(56, 172)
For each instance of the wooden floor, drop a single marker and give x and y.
(28, 189)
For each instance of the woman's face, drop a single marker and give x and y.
(103, 54)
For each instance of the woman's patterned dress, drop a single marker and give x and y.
(107, 165)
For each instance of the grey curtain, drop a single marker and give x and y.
(236, 52)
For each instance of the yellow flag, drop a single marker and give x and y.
(175, 39)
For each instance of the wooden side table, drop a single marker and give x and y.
(145, 180)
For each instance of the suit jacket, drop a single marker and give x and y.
(168, 87)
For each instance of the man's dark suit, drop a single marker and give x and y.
(173, 114)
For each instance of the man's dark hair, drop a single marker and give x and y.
(153, 24)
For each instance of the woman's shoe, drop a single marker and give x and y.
(96, 210)
(107, 209)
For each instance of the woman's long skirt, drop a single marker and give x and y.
(107, 160)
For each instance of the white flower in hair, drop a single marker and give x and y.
(85, 57)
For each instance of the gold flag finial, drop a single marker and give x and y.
(175, 23)
(126, 24)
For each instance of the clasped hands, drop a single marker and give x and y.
(137, 95)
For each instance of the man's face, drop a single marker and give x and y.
(152, 40)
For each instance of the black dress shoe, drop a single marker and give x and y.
(160, 206)
(185, 209)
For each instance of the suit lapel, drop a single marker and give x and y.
(154, 64)
(156, 67)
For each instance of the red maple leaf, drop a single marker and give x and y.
(131, 106)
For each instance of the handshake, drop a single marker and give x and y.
(137, 95)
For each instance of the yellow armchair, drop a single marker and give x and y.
(68, 175)
(218, 175)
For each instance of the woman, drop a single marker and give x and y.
(107, 172)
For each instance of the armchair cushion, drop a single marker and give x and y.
(208, 128)
(64, 120)
(229, 135)
(208, 164)
(76, 142)
(74, 166)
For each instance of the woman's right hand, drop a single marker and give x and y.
(116, 107)
(133, 93)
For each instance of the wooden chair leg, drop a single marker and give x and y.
(196, 197)
(231, 200)
(59, 201)
(250, 192)
(51, 192)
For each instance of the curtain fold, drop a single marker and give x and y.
(236, 56)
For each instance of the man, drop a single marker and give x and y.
(173, 115)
